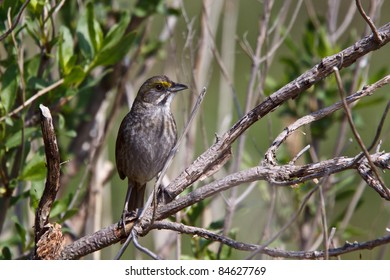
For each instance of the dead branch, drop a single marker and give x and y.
(285, 175)
(270, 154)
(377, 36)
(298, 86)
(276, 253)
(111, 235)
(53, 173)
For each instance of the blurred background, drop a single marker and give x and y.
(100, 52)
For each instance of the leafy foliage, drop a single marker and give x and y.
(81, 46)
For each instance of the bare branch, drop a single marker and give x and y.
(377, 36)
(291, 90)
(91, 243)
(111, 235)
(356, 133)
(380, 126)
(347, 248)
(285, 175)
(53, 173)
(270, 154)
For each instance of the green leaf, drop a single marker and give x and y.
(35, 83)
(94, 29)
(9, 84)
(35, 193)
(195, 211)
(6, 253)
(16, 139)
(61, 121)
(22, 233)
(116, 32)
(88, 33)
(11, 6)
(36, 7)
(76, 76)
(110, 56)
(35, 169)
(324, 47)
(216, 225)
(146, 8)
(69, 214)
(31, 68)
(58, 208)
(65, 50)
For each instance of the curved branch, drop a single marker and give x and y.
(277, 253)
(279, 175)
(284, 175)
(53, 173)
(270, 154)
(369, 21)
(320, 71)
(112, 235)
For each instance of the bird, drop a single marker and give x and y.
(145, 138)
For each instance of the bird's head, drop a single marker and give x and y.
(159, 90)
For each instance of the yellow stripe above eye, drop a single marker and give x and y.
(165, 84)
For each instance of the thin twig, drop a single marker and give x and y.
(379, 128)
(286, 225)
(324, 222)
(277, 253)
(112, 234)
(279, 43)
(193, 172)
(291, 90)
(343, 26)
(378, 131)
(307, 147)
(270, 154)
(352, 207)
(286, 175)
(33, 98)
(330, 240)
(377, 36)
(16, 21)
(354, 130)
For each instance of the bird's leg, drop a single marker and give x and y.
(125, 212)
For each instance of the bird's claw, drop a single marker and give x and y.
(128, 216)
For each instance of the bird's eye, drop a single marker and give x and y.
(159, 87)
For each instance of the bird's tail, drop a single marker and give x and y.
(134, 196)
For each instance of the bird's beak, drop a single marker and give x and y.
(177, 87)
